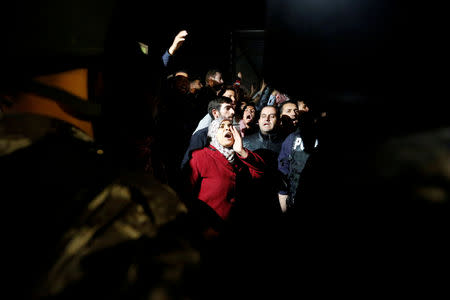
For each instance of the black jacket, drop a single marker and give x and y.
(271, 141)
(198, 140)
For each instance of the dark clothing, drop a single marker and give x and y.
(265, 95)
(266, 189)
(170, 122)
(258, 140)
(198, 140)
(286, 126)
(293, 157)
(205, 94)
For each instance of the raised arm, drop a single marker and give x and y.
(176, 44)
(177, 41)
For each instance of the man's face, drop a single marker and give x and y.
(267, 119)
(182, 84)
(216, 81)
(231, 94)
(226, 111)
(290, 110)
(302, 107)
(249, 114)
(218, 77)
(195, 86)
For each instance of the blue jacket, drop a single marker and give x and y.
(292, 160)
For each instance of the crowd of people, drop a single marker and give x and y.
(126, 179)
(139, 181)
(264, 120)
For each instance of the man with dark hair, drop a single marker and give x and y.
(211, 88)
(214, 79)
(218, 107)
(267, 136)
(293, 157)
(288, 112)
(227, 91)
(267, 143)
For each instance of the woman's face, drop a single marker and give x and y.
(224, 135)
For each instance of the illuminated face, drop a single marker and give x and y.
(232, 95)
(226, 111)
(302, 107)
(291, 110)
(218, 77)
(267, 119)
(216, 80)
(249, 114)
(195, 86)
(224, 135)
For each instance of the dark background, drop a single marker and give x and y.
(210, 26)
(380, 70)
(386, 55)
(378, 67)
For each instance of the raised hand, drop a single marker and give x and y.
(263, 85)
(178, 41)
(252, 90)
(237, 146)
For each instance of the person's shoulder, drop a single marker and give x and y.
(205, 90)
(293, 135)
(201, 132)
(206, 118)
(288, 140)
(199, 153)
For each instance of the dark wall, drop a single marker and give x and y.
(375, 66)
(375, 196)
(385, 53)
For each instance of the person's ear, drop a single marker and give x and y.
(215, 113)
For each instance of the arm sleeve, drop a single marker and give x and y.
(255, 163)
(283, 160)
(264, 98)
(166, 58)
(194, 174)
(256, 95)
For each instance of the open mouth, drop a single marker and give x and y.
(248, 117)
(228, 135)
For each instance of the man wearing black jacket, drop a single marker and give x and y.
(267, 143)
